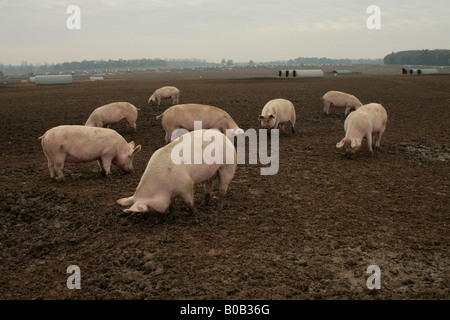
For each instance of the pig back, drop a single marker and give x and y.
(81, 137)
(184, 115)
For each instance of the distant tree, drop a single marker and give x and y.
(251, 63)
(229, 62)
(419, 57)
(223, 62)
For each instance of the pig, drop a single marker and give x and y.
(165, 179)
(76, 143)
(337, 99)
(276, 113)
(368, 122)
(182, 116)
(165, 93)
(113, 113)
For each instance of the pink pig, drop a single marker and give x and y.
(276, 113)
(165, 93)
(75, 143)
(368, 122)
(337, 99)
(166, 178)
(113, 113)
(182, 116)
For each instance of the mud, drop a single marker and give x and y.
(308, 232)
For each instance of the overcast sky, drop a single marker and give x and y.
(260, 30)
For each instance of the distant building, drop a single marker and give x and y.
(336, 72)
(419, 71)
(53, 79)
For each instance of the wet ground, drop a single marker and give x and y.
(308, 232)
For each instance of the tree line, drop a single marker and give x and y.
(133, 64)
(324, 60)
(120, 64)
(25, 67)
(412, 57)
(419, 57)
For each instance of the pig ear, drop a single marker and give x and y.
(137, 149)
(260, 117)
(340, 144)
(131, 144)
(272, 116)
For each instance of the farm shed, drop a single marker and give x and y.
(341, 72)
(419, 71)
(54, 79)
(308, 73)
(427, 71)
(285, 73)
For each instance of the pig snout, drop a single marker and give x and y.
(126, 166)
(130, 168)
(350, 153)
(267, 122)
(125, 160)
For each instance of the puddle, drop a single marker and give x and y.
(422, 151)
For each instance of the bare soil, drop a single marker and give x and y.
(308, 232)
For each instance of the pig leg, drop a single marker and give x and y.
(380, 133)
(106, 164)
(369, 142)
(131, 123)
(208, 187)
(99, 165)
(374, 139)
(170, 132)
(58, 165)
(292, 122)
(326, 107)
(225, 177)
(167, 137)
(170, 214)
(188, 197)
(51, 166)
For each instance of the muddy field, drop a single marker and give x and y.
(308, 232)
